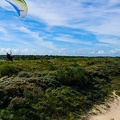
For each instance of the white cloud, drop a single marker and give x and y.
(36, 36)
(62, 51)
(25, 51)
(2, 30)
(70, 39)
(101, 52)
(111, 40)
(114, 51)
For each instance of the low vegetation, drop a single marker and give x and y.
(55, 87)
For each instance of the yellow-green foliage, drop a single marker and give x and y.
(7, 70)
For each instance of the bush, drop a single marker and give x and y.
(51, 67)
(5, 115)
(73, 76)
(17, 103)
(24, 74)
(62, 103)
(48, 81)
(8, 70)
(33, 93)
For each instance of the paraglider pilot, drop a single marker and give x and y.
(9, 57)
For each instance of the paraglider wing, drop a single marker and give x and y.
(20, 6)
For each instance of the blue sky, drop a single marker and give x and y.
(62, 27)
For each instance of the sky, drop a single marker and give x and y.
(61, 27)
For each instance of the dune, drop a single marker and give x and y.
(108, 111)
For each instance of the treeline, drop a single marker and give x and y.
(37, 57)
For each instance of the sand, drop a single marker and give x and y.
(108, 111)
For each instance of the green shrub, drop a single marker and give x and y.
(73, 76)
(6, 115)
(17, 103)
(24, 74)
(118, 92)
(48, 81)
(7, 70)
(63, 101)
(51, 67)
(33, 93)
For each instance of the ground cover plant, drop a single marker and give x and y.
(55, 87)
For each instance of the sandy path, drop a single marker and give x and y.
(110, 111)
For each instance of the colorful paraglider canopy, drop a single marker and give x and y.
(20, 6)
